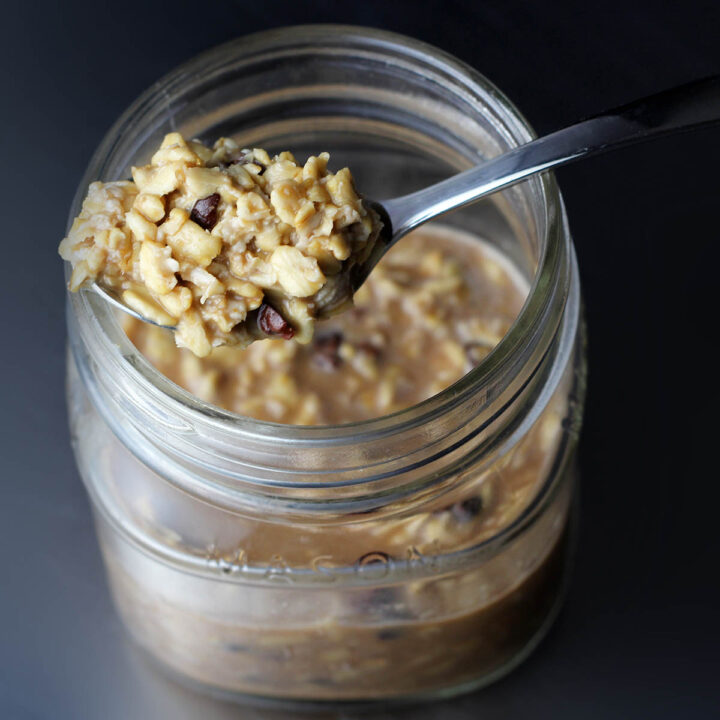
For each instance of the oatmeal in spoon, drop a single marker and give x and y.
(225, 244)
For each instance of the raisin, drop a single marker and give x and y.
(467, 509)
(204, 211)
(271, 322)
(326, 353)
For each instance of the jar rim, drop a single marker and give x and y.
(128, 359)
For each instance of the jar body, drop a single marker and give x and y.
(450, 566)
(427, 630)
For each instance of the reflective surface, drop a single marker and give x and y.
(642, 640)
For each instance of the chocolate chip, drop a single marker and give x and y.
(467, 509)
(272, 323)
(204, 211)
(326, 353)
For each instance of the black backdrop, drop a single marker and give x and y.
(639, 634)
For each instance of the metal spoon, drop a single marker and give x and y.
(682, 108)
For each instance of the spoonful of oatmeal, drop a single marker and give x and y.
(226, 245)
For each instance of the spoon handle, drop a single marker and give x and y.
(681, 108)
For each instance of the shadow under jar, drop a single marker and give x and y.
(420, 554)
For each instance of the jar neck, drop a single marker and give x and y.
(380, 464)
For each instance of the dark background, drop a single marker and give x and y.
(639, 634)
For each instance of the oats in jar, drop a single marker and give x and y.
(432, 309)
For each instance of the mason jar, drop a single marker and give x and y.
(390, 559)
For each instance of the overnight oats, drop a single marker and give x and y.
(324, 506)
(224, 243)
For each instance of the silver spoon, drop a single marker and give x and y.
(682, 108)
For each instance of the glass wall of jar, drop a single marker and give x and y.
(417, 554)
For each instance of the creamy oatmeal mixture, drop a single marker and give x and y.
(227, 244)
(435, 306)
(382, 642)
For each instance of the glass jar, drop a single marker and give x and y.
(331, 563)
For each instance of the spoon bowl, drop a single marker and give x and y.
(111, 296)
